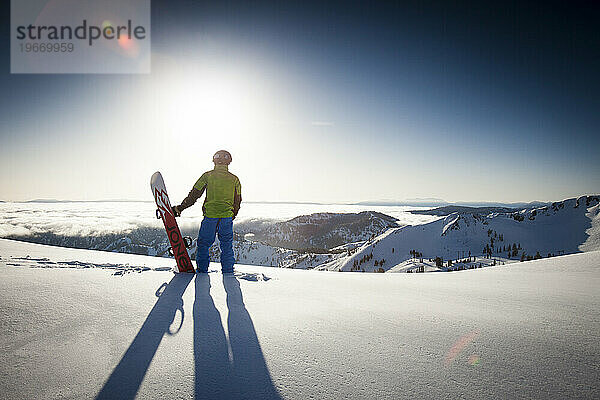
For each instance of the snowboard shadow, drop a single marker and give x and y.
(227, 369)
(125, 380)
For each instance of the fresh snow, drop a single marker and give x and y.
(71, 328)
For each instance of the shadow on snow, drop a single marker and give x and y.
(226, 367)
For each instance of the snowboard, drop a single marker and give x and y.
(179, 243)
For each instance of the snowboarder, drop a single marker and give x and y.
(221, 205)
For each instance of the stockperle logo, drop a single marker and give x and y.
(74, 36)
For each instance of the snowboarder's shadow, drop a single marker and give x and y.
(231, 366)
(126, 378)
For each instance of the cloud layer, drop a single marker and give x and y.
(98, 219)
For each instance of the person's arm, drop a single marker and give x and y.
(237, 198)
(192, 196)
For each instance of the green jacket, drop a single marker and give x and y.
(223, 193)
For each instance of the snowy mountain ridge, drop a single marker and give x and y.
(319, 231)
(564, 227)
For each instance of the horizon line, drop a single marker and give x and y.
(408, 202)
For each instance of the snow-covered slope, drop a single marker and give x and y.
(520, 331)
(593, 241)
(565, 227)
(425, 265)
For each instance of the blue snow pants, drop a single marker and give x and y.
(206, 236)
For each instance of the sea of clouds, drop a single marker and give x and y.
(81, 219)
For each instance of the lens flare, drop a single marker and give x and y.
(128, 46)
(125, 42)
(107, 24)
(459, 346)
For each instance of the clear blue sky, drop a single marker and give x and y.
(333, 102)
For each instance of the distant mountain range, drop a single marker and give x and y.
(442, 203)
(319, 231)
(371, 240)
(447, 210)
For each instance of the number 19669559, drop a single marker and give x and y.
(47, 47)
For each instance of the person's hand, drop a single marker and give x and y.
(176, 211)
(232, 218)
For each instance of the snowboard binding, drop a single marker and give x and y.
(186, 240)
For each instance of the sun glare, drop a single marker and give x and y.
(198, 108)
(211, 105)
